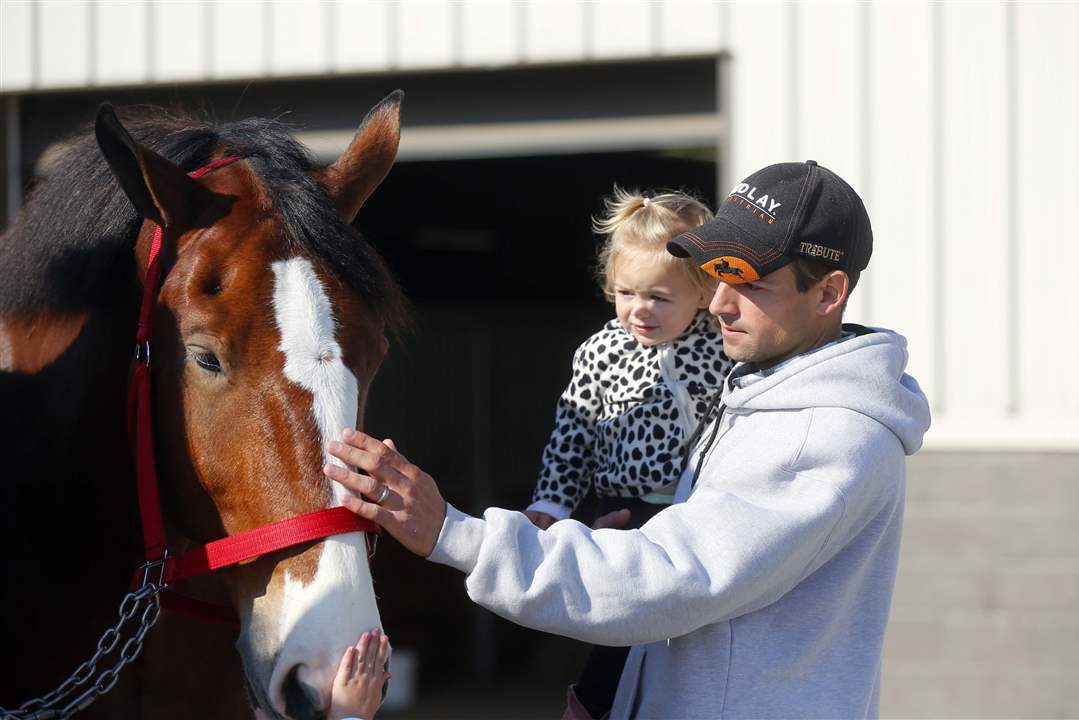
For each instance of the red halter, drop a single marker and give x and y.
(219, 553)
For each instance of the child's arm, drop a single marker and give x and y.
(357, 688)
(568, 461)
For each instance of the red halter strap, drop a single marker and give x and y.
(219, 553)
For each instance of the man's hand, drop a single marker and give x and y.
(540, 519)
(412, 511)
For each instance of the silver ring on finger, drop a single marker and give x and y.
(382, 494)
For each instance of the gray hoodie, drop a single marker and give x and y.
(765, 592)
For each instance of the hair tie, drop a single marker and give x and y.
(645, 202)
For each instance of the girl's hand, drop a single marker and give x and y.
(357, 688)
(540, 519)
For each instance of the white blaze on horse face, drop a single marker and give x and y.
(318, 620)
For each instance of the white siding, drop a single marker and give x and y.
(763, 91)
(121, 50)
(899, 192)
(623, 28)
(63, 42)
(361, 33)
(171, 59)
(956, 121)
(424, 33)
(491, 32)
(1046, 183)
(16, 48)
(301, 42)
(240, 41)
(555, 30)
(689, 26)
(973, 205)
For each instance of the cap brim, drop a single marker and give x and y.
(726, 252)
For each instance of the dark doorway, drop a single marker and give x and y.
(497, 257)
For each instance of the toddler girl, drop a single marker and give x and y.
(638, 389)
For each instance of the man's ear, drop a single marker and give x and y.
(834, 289)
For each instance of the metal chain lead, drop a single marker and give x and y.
(58, 704)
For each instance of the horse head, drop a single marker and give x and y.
(269, 328)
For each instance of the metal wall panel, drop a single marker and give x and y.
(690, 26)
(955, 120)
(64, 54)
(361, 36)
(828, 114)
(972, 202)
(556, 30)
(762, 85)
(898, 187)
(240, 39)
(173, 60)
(1046, 185)
(425, 34)
(301, 41)
(491, 32)
(624, 28)
(16, 45)
(121, 47)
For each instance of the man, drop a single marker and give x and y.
(764, 591)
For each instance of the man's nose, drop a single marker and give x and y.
(723, 301)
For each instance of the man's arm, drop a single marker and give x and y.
(733, 547)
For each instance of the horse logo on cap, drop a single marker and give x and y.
(731, 270)
(725, 268)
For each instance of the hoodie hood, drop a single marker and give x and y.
(863, 373)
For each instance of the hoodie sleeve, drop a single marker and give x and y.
(568, 459)
(746, 536)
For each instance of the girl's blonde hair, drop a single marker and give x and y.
(638, 226)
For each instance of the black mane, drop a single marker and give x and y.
(70, 247)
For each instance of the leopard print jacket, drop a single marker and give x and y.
(624, 420)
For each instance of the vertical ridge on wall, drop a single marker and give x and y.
(1014, 327)
(935, 73)
(866, 117)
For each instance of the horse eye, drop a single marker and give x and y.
(208, 361)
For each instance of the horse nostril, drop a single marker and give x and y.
(301, 700)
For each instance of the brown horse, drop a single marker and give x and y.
(271, 323)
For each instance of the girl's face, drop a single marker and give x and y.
(655, 302)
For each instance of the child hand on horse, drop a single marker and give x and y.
(357, 688)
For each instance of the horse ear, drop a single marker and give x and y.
(160, 190)
(355, 175)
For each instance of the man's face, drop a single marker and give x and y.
(767, 321)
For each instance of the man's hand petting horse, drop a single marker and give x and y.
(389, 490)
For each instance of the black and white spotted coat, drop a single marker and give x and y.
(624, 420)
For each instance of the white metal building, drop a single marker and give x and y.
(958, 122)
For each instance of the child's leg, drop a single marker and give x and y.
(598, 681)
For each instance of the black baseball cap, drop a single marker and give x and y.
(783, 212)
